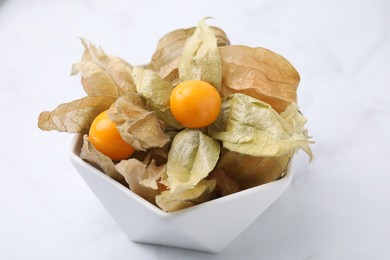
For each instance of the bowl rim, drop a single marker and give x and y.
(74, 155)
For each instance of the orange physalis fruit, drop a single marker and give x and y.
(195, 103)
(105, 137)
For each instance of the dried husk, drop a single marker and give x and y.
(225, 184)
(103, 74)
(137, 126)
(95, 80)
(297, 120)
(236, 171)
(90, 154)
(259, 73)
(156, 93)
(249, 126)
(170, 201)
(193, 155)
(142, 178)
(158, 155)
(75, 116)
(166, 58)
(200, 59)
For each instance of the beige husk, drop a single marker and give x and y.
(138, 126)
(235, 171)
(166, 58)
(90, 154)
(200, 58)
(103, 74)
(259, 73)
(142, 178)
(172, 201)
(262, 132)
(75, 116)
(156, 92)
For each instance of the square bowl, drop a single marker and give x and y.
(208, 227)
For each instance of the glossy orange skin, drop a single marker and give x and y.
(105, 137)
(195, 103)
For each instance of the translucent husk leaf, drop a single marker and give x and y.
(156, 93)
(95, 80)
(138, 126)
(172, 201)
(142, 178)
(75, 116)
(200, 57)
(103, 74)
(249, 126)
(154, 175)
(296, 119)
(236, 171)
(259, 73)
(225, 184)
(90, 154)
(166, 58)
(193, 155)
(158, 155)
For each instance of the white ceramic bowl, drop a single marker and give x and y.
(208, 227)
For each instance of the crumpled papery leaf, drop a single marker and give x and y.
(235, 171)
(249, 126)
(172, 201)
(259, 73)
(166, 58)
(137, 126)
(225, 184)
(90, 154)
(294, 118)
(142, 178)
(75, 116)
(156, 92)
(158, 155)
(200, 58)
(193, 155)
(103, 74)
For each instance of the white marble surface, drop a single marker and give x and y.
(338, 207)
